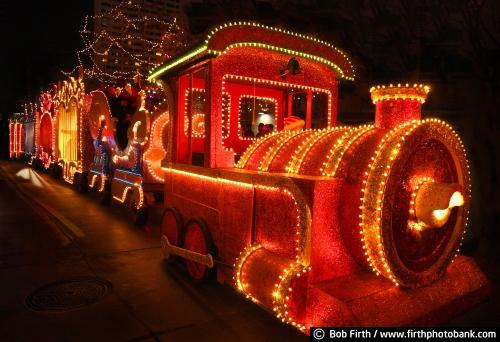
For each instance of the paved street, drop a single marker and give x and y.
(48, 232)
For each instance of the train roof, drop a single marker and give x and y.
(240, 34)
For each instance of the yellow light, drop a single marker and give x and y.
(456, 200)
(441, 214)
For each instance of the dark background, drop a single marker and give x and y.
(452, 45)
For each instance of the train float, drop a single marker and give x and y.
(324, 225)
(16, 136)
(127, 127)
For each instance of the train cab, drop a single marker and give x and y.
(246, 81)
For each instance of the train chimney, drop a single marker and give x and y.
(399, 103)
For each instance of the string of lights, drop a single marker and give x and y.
(122, 44)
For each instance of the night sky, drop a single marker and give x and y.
(40, 39)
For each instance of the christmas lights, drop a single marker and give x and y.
(287, 32)
(331, 164)
(345, 71)
(372, 195)
(99, 46)
(129, 188)
(155, 152)
(272, 100)
(403, 92)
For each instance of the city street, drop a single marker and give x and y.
(49, 233)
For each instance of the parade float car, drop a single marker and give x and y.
(29, 123)
(16, 136)
(73, 149)
(122, 123)
(325, 225)
(44, 134)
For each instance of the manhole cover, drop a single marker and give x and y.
(68, 294)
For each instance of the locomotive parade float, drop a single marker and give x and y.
(324, 225)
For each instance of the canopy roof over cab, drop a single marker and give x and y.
(240, 34)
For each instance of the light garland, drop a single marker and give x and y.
(257, 98)
(253, 147)
(336, 153)
(130, 188)
(238, 266)
(92, 181)
(291, 52)
(181, 59)
(35, 131)
(371, 201)
(68, 101)
(402, 92)
(273, 151)
(198, 50)
(15, 139)
(283, 291)
(97, 47)
(285, 85)
(226, 114)
(103, 183)
(305, 146)
(196, 132)
(373, 191)
(156, 142)
(46, 157)
(282, 288)
(277, 29)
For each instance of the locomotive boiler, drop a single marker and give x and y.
(320, 223)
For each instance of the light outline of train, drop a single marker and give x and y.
(218, 168)
(217, 176)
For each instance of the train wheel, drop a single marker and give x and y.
(197, 239)
(171, 231)
(139, 216)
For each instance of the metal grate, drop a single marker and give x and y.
(68, 294)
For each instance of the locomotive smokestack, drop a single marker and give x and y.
(399, 103)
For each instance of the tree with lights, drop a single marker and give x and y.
(127, 40)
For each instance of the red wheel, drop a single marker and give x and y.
(197, 239)
(171, 231)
